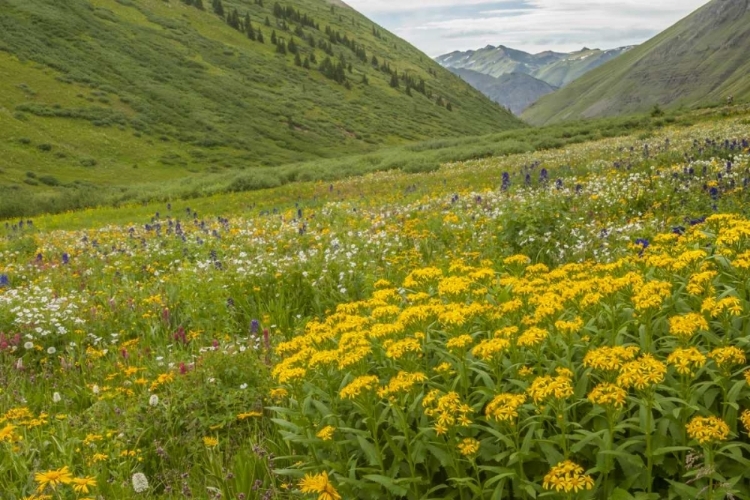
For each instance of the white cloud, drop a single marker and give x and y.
(440, 26)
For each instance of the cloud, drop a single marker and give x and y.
(441, 26)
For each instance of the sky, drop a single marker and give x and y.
(441, 26)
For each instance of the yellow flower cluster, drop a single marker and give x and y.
(609, 395)
(504, 407)
(569, 477)
(707, 430)
(401, 383)
(447, 410)
(468, 447)
(726, 357)
(685, 326)
(609, 358)
(745, 419)
(652, 295)
(686, 360)
(532, 337)
(460, 342)
(359, 384)
(396, 350)
(642, 373)
(543, 388)
(488, 349)
(326, 433)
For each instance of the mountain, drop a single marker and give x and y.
(515, 91)
(556, 68)
(700, 60)
(109, 92)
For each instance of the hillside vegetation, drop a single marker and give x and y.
(102, 94)
(567, 324)
(702, 60)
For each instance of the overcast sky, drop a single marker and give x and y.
(441, 26)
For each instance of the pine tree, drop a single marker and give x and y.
(268, 22)
(449, 106)
(218, 8)
(281, 47)
(394, 80)
(274, 40)
(260, 37)
(365, 81)
(306, 64)
(198, 4)
(297, 60)
(408, 90)
(249, 28)
(292, 46)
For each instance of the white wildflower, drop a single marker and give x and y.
(56, 398)
(153, 400)
(140, 482)
(51, 350)
(28, 345)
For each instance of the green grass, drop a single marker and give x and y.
(81, 188)
(699, 61)
(112, 93)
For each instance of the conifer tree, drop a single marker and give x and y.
(297, 60)
(218, 8)
(260, 37)
(306, 64)
(198, 4)
(274, 40)
(394, 80)
(281, 47)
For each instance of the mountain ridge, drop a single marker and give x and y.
(555, 68)
(701, 60)
(515, 91)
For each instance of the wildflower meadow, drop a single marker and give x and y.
(570, 323)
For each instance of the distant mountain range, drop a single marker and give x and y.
(515, 91)
(703, 59)
(534, 75)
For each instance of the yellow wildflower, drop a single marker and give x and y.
(569, 477)
(684, 327)
(707, 430)
(319, 483)
(53, 478)
(359, 384)
(326, 433)
(726, 357)
(210, 442)
(468, 447)
(504, 407)
(642, 373)
(609, 395)
(82, 484)
(686, 361)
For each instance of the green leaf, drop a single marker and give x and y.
(373, 458)
(388, 483)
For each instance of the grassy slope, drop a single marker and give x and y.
(105, 95)
(700, 60)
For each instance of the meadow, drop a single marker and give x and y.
(562, 323)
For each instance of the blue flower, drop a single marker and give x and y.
(4, 280)
(254, 326)
(65, 258)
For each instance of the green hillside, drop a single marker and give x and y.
(701, 60)
(96, 95)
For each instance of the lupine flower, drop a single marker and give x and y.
(4, 280)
